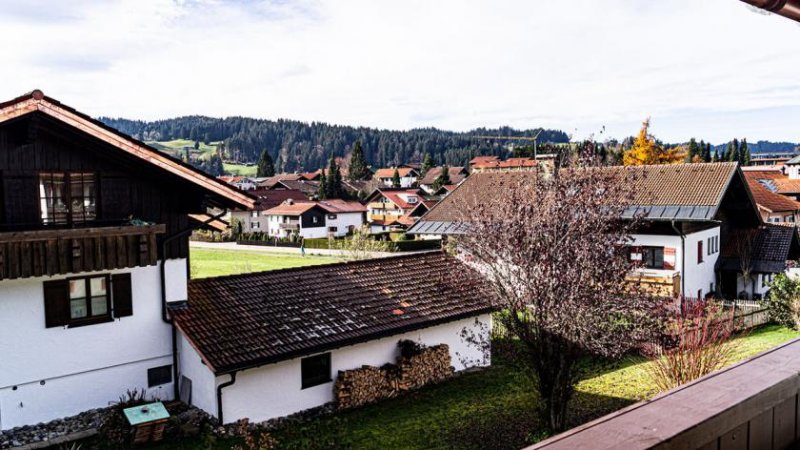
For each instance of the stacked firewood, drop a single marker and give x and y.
(369, 384)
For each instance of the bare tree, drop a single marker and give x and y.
(744, 250)
(552, 246)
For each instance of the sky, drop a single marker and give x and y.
(710, 69)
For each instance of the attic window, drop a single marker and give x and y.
(412, 199)
(67, 198)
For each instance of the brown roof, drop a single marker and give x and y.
(270, 198)
(244, 321)
(767, 199)
(509, 163)
(665, 189)
(457, 174)
(36, 101)
(483, 159)
(291, 208)
(399, 196)
(272, 181)
(389, 173)
(307, 187)
(342, 206)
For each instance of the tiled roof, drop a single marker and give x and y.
(249, 320)
(768, 247)
(774, 181)
(307, 187)
(793, 161)
(509, 163)
(389, 173)
(342, 206)
(270, 198)
(768, 199)
(290, 208)
(456, 175)
(483, 159)
(689, 191)
(272, 181)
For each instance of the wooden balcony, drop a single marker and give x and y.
(752, 405)
(381, 205)
(25, 254)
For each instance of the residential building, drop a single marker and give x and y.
(691, 212)
(314, 219)
(774, 207)
(94, 230)
(456, 174)
(308, 188)
(269, 182)
(489, 164)
(391, 209)
(408, 176)
(239, 182)
(254, 220)
(775, 181)
(270, 344)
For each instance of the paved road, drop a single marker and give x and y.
(289, 250)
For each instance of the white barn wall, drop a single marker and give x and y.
(275, 390)
(343, 221)
(82, 367)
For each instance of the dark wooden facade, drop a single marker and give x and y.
(127, 187)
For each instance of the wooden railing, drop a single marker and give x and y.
(752, 405)
(25, 254)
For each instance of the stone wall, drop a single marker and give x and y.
(416, 367)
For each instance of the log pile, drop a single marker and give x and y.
(369, 384)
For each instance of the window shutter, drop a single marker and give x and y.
(122, 295)
(56, 303)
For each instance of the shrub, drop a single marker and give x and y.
(784, 301)
(697, 343)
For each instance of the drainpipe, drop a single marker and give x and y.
(164, 315)
(219, 396)
(683, 260)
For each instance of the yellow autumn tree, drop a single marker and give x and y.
(646, 151)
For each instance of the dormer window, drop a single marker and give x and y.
(67, 198)
(412, 199)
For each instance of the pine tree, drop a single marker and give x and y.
(706, 151)
(729, 153)
(716, 156)
(266, 168)
(396, 178)
(427, 164)
(693, 151)
(323, 187)
(744, 153)
(333, 185)
(443, 179)
(358, 164)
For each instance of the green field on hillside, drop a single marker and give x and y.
(207, 262)
(240, 169)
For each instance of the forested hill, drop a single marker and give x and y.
(298, 145)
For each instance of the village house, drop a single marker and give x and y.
(269, 344)
(457, 175)
(395, 209)
(775, 181)
(774, 208)
(691, 212)
(239, 182)
(408, 176)
(308, 188)
(254, 220)
(314, 219)
(94, 229)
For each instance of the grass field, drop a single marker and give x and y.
(176, 148)
(213, 263)
(496, 404)
(239, 169)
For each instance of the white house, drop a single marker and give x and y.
(240, 182)
(270, 344)
(314, 219)
(408, 176)
(254, 220)
(690, 213)
(92, 248)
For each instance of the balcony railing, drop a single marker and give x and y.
(752, 405)
(291, 225)
(381, 205)
(25, 254)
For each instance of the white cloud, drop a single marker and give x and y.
(711, 69)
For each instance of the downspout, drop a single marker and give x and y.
(683, 259)
(164, 316)
(219, 396)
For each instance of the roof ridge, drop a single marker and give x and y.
(415, 255)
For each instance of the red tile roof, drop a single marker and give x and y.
(399, 197)
(244, 321)
(389, 173)
(342, 206)
(767, 199)
(291, 208)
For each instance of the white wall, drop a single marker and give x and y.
(275, 390)
(343, 221)
(696, 277)
(83, 367)
(204, 394)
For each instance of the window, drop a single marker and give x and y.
(332, 216)
(712, 245)
(315, 219)
(67, 198)
(255, 225)
(699, 252)
(651, 257)
(333, 229)
(87, 300)
(315, 370)
(157, 376)
(254, 214)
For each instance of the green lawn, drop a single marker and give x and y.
(240, 169)
(213, 263)
(495, 405)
